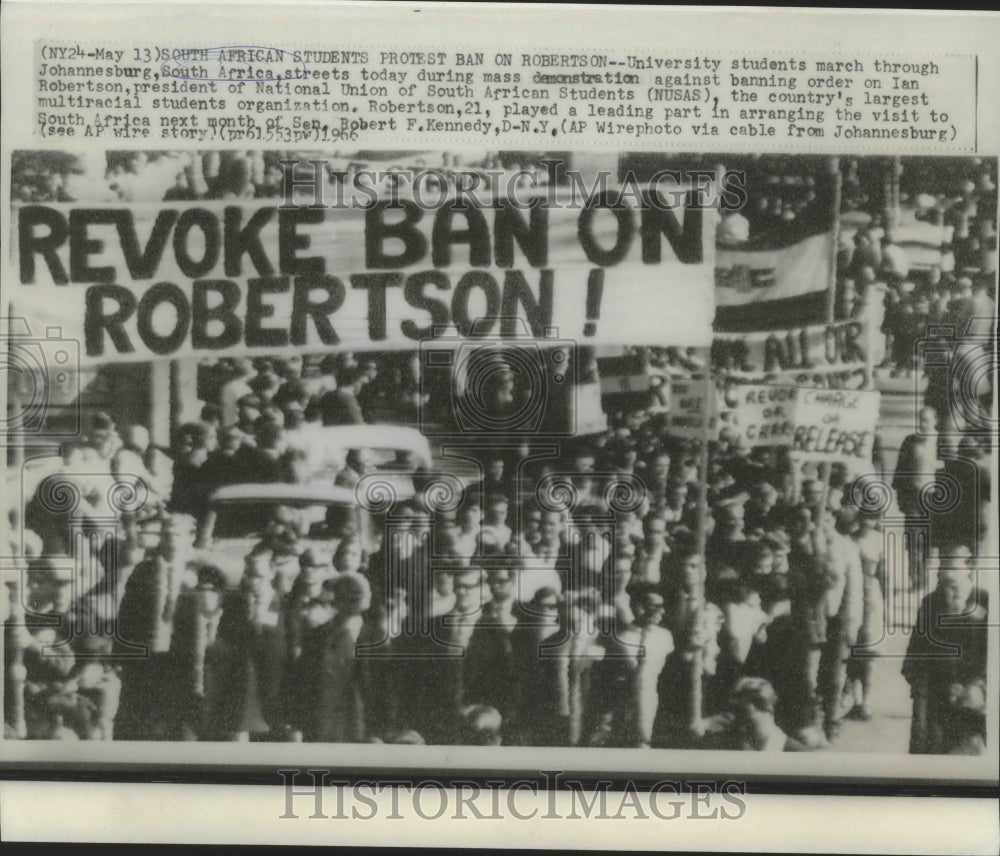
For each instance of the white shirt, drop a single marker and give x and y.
(744, 621)
(442, 604)
(499, 534)
(651, 646)
(230, 393)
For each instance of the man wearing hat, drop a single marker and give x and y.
(144, 631)
(196, 624)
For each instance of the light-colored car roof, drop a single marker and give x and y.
(378, 437)
(280, 492)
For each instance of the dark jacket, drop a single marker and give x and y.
(250, 663)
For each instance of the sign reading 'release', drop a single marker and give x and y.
(835, 424)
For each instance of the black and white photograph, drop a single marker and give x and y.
(474, 512)
(577, 407)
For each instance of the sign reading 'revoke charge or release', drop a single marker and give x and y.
(145, 281)
(814, 424)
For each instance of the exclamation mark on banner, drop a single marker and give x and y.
(595, 290)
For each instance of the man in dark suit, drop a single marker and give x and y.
(144, 630)
(436, 686)
(489, 667)
(250, 659)
(946, 657)
(383, 667)
(330, 666)
(340, 406)
(535, 716)
(916, 472)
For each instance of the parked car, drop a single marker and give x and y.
(238, 517)
(393, 448)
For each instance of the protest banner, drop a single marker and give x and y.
(754, 275)
(760, 287)
(693, 409)
(192, 279)
(835, 425)
(761, 415)
(814, 424)
(812, 348)
(841, 351)
(629, 382)
(626, 374)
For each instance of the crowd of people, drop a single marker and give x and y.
(563, 601)
(611, 595)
